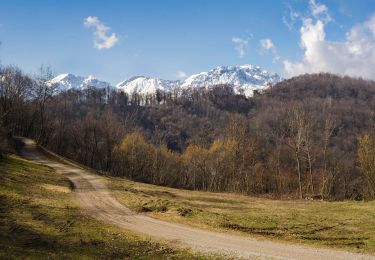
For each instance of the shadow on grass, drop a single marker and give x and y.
(303, 233)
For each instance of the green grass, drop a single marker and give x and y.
(39, 218)
(347, 225)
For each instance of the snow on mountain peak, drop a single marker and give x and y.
(146, 85)
(60, 77)
(244, 78)
(70, 81)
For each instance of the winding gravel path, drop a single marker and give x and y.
(93, 195)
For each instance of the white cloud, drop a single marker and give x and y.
(181, 74)
(101, 38)
(240, 45)
(319, 11)
(290, 18)
(353, 56)
(267, 45)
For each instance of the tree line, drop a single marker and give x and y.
(311, 136)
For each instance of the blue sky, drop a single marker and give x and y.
(173, 38)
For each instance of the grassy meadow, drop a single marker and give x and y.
(347, 225)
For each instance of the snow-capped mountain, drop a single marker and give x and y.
(70, 81)
(146, 85)
(245, 79)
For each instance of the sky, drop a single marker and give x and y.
(172, 39)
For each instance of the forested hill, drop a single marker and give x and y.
(305, 137)
(323, 85)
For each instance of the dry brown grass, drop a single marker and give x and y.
(40, 219)
(348, 224)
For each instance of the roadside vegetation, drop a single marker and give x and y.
(346, 225)
(40, 219)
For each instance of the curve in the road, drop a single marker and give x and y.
(93, 196)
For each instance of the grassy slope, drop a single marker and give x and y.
(39, 218)
(349, 224)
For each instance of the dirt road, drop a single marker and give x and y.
(93, 196)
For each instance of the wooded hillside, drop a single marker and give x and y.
(297, 139)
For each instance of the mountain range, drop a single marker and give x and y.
(244, 79)
(69, 81)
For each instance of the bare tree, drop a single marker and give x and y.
(42, 91)
(14, 87)
(329, 127)
(296, 122)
